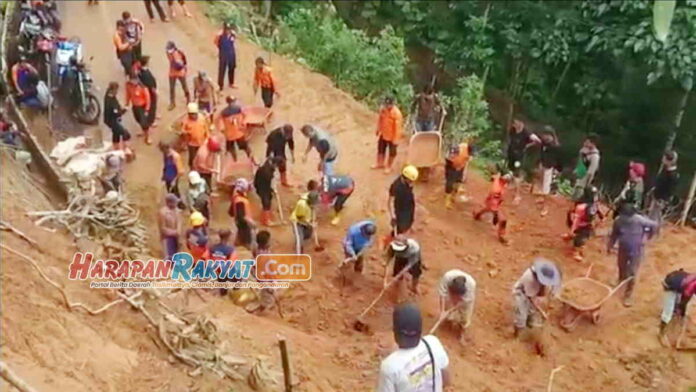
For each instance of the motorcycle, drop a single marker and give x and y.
(86, 105)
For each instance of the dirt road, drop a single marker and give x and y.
(622, 354)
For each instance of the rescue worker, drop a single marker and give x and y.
(303, 216)
(421, 362)
(227, 55)
(629, 231)
(195, 130)
(149, 81)
(357, 242)
(325, 146)
(134, 34)
(492, 204)
(204, 92)
(139, 96)
(519, 140)
(263, 77)
(170, 226)
(665, 186)
(389, 131)
(204, 162)
(632, 192)
(241, 211)
(550, 163)
(541, 280)
(428, 110)
(276, 143)
(172, 168)
(198, 194)
(197, 237)
(112, 118)
(231, 120)
(457, 292)
(263, 184)
(587, 166)
(456, 165)
(581, 221)
(177, 72)
(124, 50)
(680, 287)
(335, 190)
(402, 202)
(405, 253)
(223, 251)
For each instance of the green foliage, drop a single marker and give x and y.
(470, 118)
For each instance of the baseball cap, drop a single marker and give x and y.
(408, 325)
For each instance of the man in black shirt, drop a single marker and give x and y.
(276, 142)
(263, 184)
(520, 139)
(402, 202)
(550, 165)
(665, 185)
(112, 118)
(149, 81)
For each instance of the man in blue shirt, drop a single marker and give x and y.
(227, 57)
(357, 241)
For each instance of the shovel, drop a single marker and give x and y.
(359, 324)
(280, 204)
(317, 246)
(441, 319)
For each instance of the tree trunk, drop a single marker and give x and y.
(689, 202)
(560, 82)
(678, 118)
(267, 5)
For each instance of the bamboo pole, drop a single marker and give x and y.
(689, 201)
(14, 379)
(286, 365)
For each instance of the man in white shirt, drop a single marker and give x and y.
(420, 364)
(537, 281)
(457, 291)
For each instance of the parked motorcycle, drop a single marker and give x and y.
(86, 105)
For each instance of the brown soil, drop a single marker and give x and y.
(584, 293)
(55, 349)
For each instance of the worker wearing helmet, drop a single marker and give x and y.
(499, 183)
(198, 194)
(303, 216)
(197, 237)
(402, 202)
(177, 72)
(195, 129)
(240, 210)
(358, 240)
(204, 162)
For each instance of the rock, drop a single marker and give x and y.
(492, 273)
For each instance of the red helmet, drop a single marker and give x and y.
(213, 144)
(638, 169)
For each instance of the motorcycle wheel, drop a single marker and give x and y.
(89, 114)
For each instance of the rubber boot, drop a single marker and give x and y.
(336, 219)
(449, 201)
(380, 162)
(502, 225)
(388, 167)
(265, 218)
(284, 179)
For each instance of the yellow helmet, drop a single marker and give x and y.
(196, 219)
(192, 108)
(410, 172)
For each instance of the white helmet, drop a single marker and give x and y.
(241, 185)
(194, 177)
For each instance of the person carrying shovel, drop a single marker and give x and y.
(357, 241)
(404, 252)
(402, 202)
(276, 143)
(303, 216)
(680, 287)
(540, 280)
(457, 292)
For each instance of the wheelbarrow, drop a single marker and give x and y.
(256, 118)
(424, 149)
(584, 297)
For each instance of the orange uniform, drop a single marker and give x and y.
(390, 124)
(232, 125)
(196, 130)
(138, 95)
(495, 196)
(264, 77)
(459, 162)
(177, 64)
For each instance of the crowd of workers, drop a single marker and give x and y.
(209, 134)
